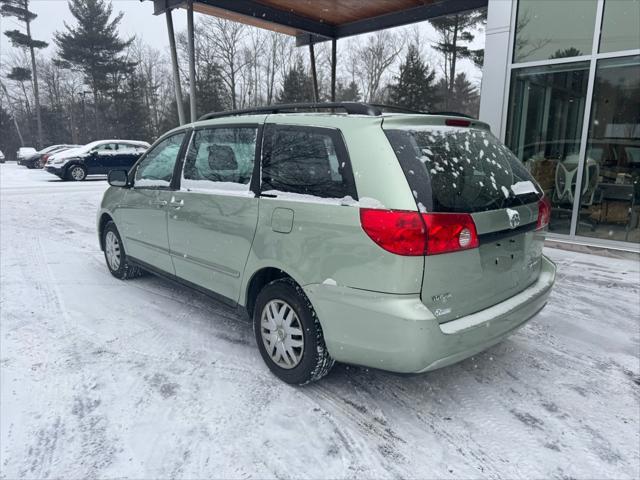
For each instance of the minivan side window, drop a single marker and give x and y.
(306, 160)
(220, 159)
(156, 169)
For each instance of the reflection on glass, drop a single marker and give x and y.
(610, 204)
(546, 108)
(544, 31)
(620, 25)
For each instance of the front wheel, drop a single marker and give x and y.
(289, 334)
(117, 261)
(77, 173)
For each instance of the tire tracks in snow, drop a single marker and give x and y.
(95, 448)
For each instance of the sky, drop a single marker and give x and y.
(139, 20)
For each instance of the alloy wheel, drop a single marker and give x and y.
(77, 173)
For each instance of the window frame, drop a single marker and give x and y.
(131, 174)
(253, 186)
(339, 143)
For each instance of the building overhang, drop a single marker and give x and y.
(312, 21)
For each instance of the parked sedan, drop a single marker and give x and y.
(46, 156)
(23, 153)
(95, 158)
(33, 161)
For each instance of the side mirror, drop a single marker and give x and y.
(118, 178)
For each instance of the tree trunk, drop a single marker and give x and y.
(36, 93)
(454, 54)
(233, 87)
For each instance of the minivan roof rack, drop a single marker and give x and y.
(352, 108)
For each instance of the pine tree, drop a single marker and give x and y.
(210, 89)
(20, 10)
(414, 87)
(21, 75)
(454, 32)
(350, 93)
(130, 120)
(93, 47)
(297, 86)
(466, 98)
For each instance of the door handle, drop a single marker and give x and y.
(177, 204)
(160, 203)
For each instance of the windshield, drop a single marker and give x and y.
(454, 169)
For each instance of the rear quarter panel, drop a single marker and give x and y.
(326, 245)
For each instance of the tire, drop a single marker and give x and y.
(122, 268)
(297, 364)
(77, 173)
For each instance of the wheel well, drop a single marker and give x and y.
(104, 219)
(258, 281)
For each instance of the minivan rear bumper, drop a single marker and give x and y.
(399, 334)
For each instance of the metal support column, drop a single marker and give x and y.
(192, 61)
(314, 76)
(334, 59)
(174, 65)
(586, 123)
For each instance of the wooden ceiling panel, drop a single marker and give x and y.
(339, 12)
(246, 19)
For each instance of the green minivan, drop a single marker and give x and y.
(399, 241)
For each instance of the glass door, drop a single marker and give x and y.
(610, 197)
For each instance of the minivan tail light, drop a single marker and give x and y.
(450, 232)
(397, 231)
(410, 233)
(544, 213)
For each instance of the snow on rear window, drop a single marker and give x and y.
(454, 169)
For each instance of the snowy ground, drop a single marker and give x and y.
(144, 379)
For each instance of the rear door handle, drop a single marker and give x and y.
(177, 204)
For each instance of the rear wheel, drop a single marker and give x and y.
(117, 261)
(289, 334)
(76, 173)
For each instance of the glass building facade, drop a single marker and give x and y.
(571, 112)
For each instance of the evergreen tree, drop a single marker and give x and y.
(20, 75)
(414, 87)
(10, 139)
(466, 98)
(567, 52)
(20, 10)
(93, 47)
(297, 86)
(210, 90)
(454, 32)
(131, 119)
(351, 93)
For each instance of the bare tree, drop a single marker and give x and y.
(227, 39)
(374, 58)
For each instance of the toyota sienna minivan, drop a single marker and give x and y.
(404, 242)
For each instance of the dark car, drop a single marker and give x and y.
(34, 160)
(95, 158)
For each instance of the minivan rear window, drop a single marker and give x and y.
(453, 169)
